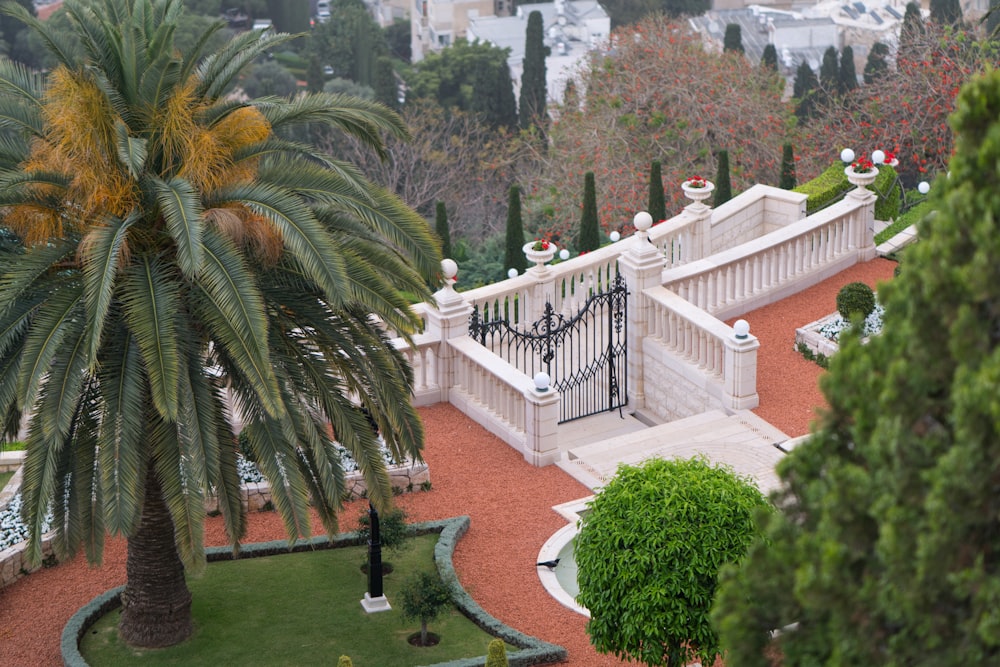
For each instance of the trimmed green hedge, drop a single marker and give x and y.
(911, 217)
(532, 651)
(832, 185)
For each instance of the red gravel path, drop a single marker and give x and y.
(473, 473)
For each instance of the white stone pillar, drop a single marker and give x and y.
(541, 426)
(739, 372)
(449, 320)
(642, 266)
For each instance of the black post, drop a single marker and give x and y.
(374, 555)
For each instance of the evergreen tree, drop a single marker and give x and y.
(993, 21)
(10, 27)
(946, 12)
(787, 168)
(514, 249)
(876, 66)
(829, 72)
(885, 551)
(769, 59)
(848, 74)
(531, 107)
(314, 75)
(493, 93)
(912, 29)
(386, 89)
(590, 230)
(441, 227)
(804, 91)
(657, 205)
(723, 187)
(733, 39)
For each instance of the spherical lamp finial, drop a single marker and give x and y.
(614, 236)
(449, 268)
(642, 221)
(542, 380)
(923, 187)
(564, 254)
(512, 272)
(878, 157)
(741, 329)
(847, 156)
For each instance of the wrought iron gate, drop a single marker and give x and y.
(585, 354)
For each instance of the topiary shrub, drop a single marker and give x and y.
(345, 661)
(649, 553)
(855, 299)
(496, 654)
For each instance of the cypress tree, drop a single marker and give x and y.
(723, 187)
(314, 75)
(441, 227)
(787, 168)
(514, 249)
(876, 66)
(829, 72)
(993, 21)
(946, 12)
(657, 205)
(804, 91)
(885, 547)
(769, 59)
(386, 90)
(531, 107)
(590, 232)
(848, 73)
(912, 28)
(733, 39)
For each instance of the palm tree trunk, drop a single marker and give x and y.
(156, 602)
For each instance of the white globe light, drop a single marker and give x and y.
(923, 187)
(564, 254)
(741, 328)
(512, 272)
(449, 268)
(878, 157)
(614, 236)
(642, 221)
(542, 380)
(847, 155)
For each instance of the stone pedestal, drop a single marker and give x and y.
(374, 605)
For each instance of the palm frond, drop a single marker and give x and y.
(151, 303)
(13, 150)
(101, 43)
(60, 394)
(19, 117)
(100, 257)
(52, 38)
(273, 442)
(38, 483)
(160, 79)
(57, 317)
(218, 70)
(227, 489)
(178, 469)
(330, 182)
(121, 439)
(193, 57)
(21, 82)
(85, 511)
(197, 425)
(181, 208)
(131, 150)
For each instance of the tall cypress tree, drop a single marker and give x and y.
(657, 205)
(848, 73)
(531, 107)
(314, 74)
(876, 66)
(441, 227)
(769, 59)
(590, 232)
(733, 39)
(829, 72)
(493, 92)
(804, 91)
(723, 187)
(885, 547)
(386, 89)
(912, 29)
(514, 248)
(946, 12)
(787, 168)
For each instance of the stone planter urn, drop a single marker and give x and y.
(696, 194)
(861, 180)
(540, 257)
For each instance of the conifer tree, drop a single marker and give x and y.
(829, 72)
(848, 73)
(314, 75)
(804, 91)
(513, 251)
(876, 66)
(657, 205)
(386, 90)
(733, 39)
(590, 233)
(769, 58)
(723, 187)
(531, 107)
(441, 227)
(787, 168)
(885, 551)
(912, 29)
(946, 12)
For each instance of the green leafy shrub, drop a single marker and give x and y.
(825, 189)
(889, 191)
(496, 654)
(345, 661)
(424, 597)
(649, 553)
(392, 529)
(855, 299)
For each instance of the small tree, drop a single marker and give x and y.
(787, 168)
(769, 59)
(733, 39)
(496, 654)
(393, 532)
(649, 552)
(848, 73)
(513, 250)
(829, 73)
(314, 75)
(424, 597)
(723, 187)
(590, 234)
(657, 205)
(441, 227)
(531, 106)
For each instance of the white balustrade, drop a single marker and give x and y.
(688, 331)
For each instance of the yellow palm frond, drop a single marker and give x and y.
(34, 224)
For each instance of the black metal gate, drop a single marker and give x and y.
(585, 355)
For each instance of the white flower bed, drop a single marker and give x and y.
(872, 325)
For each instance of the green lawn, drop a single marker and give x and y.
(4, 478)
(298, 609)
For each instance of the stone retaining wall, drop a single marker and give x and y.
(404, 479)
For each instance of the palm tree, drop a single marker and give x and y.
(173, 250)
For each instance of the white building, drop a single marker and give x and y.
(435, 24)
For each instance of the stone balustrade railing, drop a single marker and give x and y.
(423, 359)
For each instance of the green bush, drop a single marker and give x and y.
(889, 192)
(825, 189)
(424, 597)
(345, 661)
(496, 654)
(392, 529)
(855, 299)
(649, 553)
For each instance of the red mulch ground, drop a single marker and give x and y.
(473, 473)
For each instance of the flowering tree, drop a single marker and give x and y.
(658, 96)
